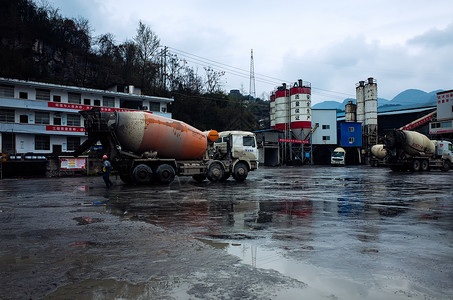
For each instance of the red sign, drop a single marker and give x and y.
(64, 128)
(293, 141)
(418, 123)
(87, 107)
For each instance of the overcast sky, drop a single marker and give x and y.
(403, 44)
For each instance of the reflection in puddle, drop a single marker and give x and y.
(321, 283)
(154, 288)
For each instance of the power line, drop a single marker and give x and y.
(265, 79)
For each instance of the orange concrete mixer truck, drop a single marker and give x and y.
(144, 147)
(409, 150)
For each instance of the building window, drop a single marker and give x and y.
(42, 142)
(351, 129)
(7, 91)
(325, 126)
(23, 119)
(74, 98)
(297, 103)
(23, 95)
(43, 95)
(7, 115)
(445, 124)
(296, 96)
(87, 101)
(154, 106)
(326, 138)
(351, 140)
(73, 142)
(42, 117)
(57, 120)
(73, 120)
(56, 98)
(97, 102)
(108, 101)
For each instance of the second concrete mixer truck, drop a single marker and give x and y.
(144, 147)
(413, 151)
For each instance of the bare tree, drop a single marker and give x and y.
(212, 83)
(147, 44)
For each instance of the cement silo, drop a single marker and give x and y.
(371, 103)
(360, 101)
(371, 111)
(350, 112)
(272, 110)
(300, 109)
(282, 108)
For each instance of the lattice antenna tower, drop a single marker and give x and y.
(252, 92)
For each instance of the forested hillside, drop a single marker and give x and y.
(38, 44)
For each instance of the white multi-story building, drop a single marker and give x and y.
(444, 124)
(326, 122)
(37, 119)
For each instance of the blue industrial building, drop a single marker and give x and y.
(351, 134)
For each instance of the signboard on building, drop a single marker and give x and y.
(293, 141)
(72, 163)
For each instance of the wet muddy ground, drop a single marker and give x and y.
(285, 233)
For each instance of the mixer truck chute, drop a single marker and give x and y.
(413, 151)
(144, 147)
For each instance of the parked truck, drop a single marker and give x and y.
(338, 157)
(378, 156)
(413, 151)
(144, 147)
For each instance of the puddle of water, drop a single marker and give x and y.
(321, 282)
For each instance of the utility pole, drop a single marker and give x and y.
(164, 67)
(252, 92)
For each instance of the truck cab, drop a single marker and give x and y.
(338, 157)
(239, 148)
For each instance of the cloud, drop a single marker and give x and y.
(434, 38)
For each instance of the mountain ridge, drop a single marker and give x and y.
(407, 97)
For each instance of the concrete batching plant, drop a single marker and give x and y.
(290, 112)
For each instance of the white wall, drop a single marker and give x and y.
(327, 117)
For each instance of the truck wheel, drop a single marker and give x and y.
(199, 177)
(415, 165)
(240, 172)
(424, 165)
(446, 166)
(215, 172)
(165, 174)
(142, 174)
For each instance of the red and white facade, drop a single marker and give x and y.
(291, 108)
(300, 107)
(272, 110)
(39, 118)
(282, 109)
(444, 123)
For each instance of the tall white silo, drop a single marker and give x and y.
(360, 101)
(272, 110)
(300, 105)
(371, 102)
(282, 108)
(350, 112)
